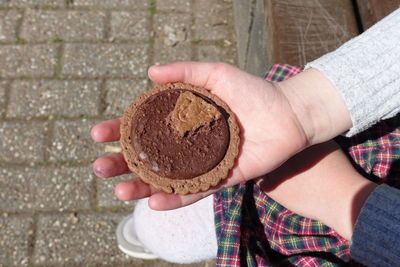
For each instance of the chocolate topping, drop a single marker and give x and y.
(176, 147)
(190, 113)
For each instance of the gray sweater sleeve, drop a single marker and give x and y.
(366, 71)
(376, 237)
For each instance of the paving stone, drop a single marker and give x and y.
(45, 188)
(212, 53)
(116, 60)
(112, 3)
(63, 188)
(16, 194)
(59, 25)
(167, 54)
(78, 239)
(8, 25)
(54, 97)
(15, 232)
(214, 22)
(174, 5)
(22, 142)
(130, 25)
(36, 3)
(120, 93)
(72, 141)
(105, 192)
(171, 30)
(172, 38)
(27, 60)
(3, 85)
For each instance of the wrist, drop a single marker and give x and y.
(317, 104)
(349, 205)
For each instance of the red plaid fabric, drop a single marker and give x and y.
(254, 230)
(280, 72)
(377, 152)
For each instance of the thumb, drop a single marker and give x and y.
(195, 73)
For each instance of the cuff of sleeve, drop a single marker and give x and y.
(376, 237)
(342, 74)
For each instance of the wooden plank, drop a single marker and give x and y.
(252, 36)
(304, 30)
(372, 11)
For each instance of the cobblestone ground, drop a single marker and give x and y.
(64, 66)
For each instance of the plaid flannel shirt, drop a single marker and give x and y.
(254, 230)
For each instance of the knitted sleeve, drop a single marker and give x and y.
(366, 72)
(376, 237)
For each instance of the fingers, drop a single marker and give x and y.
(165, 201)
(133, 189)
(106, 131)
(110, 165)
(198, 74)
(136, 189)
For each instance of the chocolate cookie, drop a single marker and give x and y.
(179, 138)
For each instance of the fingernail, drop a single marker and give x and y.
(155, 67)
(99, 171)
(149, 71)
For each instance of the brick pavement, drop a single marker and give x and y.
(65, 65)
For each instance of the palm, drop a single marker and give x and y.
(269, 130)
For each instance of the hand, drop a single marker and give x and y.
(270, 131)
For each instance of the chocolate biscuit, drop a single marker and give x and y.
(179, 138)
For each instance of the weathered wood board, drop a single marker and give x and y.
(303, 30)
(371, 11)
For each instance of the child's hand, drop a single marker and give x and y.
(270, 131)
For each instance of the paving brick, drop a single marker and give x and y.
(27, 60)
(3, 85)
(15, 232)
(45, 188)
(168, 54)
(174, 5)
(172, 38)
(54, 97)
(171, 30)
(78, 239)
(130, 25)
(215, 21)
(72, 141)
(216, 53)
(58, 25)
(8, 25)
(105, 192)
(22, 142)
(116, 60)
(112, 3)
(120, 93)
(63, 188)
(36, 3)
(16, 193)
